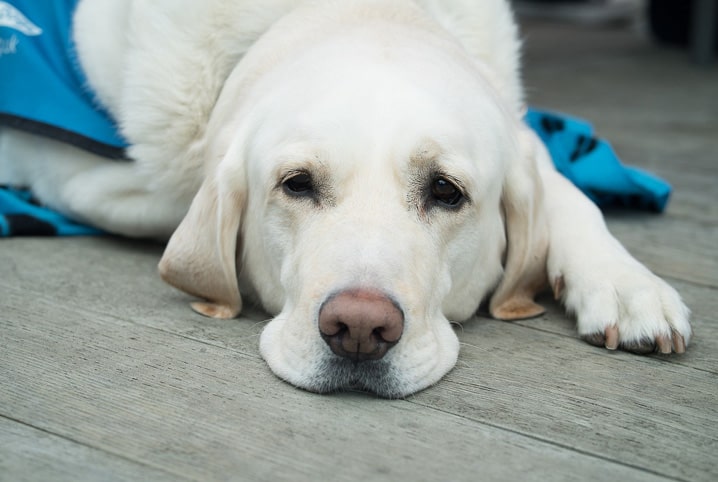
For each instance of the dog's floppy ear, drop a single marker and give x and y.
(201, 256)
(527, 238)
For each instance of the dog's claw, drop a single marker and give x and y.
(611, 338)
(664, 344)
(679, 343)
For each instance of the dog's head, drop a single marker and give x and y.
(368, 188)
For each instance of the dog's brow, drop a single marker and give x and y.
(427, 153)
(310, 162)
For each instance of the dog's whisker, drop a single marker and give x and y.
(469, 345)
(260, 323)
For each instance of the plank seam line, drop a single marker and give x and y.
(690, 282)
(179, 335)
(677, 277)
(91, 447)
(131, 321)
(606, 353)
(550, 442)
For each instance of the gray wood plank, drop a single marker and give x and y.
(687, 163)
(695, 192)
(143, 294)
(31, 455)
(631, 91)
(211, 413)
(128, 273)
(637, 410)
(669, 245)
(117, 277)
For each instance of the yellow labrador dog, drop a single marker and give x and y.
(359, 167)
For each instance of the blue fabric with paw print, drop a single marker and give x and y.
(590, 164)
(42, 87)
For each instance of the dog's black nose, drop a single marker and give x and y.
(360, 324)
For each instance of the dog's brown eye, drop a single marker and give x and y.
(300, 184)
(446, 192)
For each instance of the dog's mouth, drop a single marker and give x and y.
(341, 374)
(337, 358)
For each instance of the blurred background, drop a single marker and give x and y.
(648, 82)
(689, 24)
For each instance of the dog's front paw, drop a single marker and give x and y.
(622, 305)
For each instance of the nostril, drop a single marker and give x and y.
(335, 328)
(360, 324)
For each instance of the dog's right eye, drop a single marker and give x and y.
(298, 184)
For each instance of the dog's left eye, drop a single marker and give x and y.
(446, 192)
(299, 184)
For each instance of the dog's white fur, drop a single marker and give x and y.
(222, 101)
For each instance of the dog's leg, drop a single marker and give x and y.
(117, 196)
(41, 164)
(617, 301)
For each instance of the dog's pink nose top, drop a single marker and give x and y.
(360, 324)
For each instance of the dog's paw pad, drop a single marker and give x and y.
(639, 347)
(595, 339)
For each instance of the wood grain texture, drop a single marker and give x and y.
(670, 245)
(29, 454)
(210, 413)
(641, 411)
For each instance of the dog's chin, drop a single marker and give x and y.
(383, 378)
(329, 373)
(335, 374)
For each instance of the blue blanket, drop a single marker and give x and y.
(21, 215)
(591, 164)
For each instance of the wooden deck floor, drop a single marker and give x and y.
(105, 374)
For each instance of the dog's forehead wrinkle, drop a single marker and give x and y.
(427, 151)
(296, 154)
